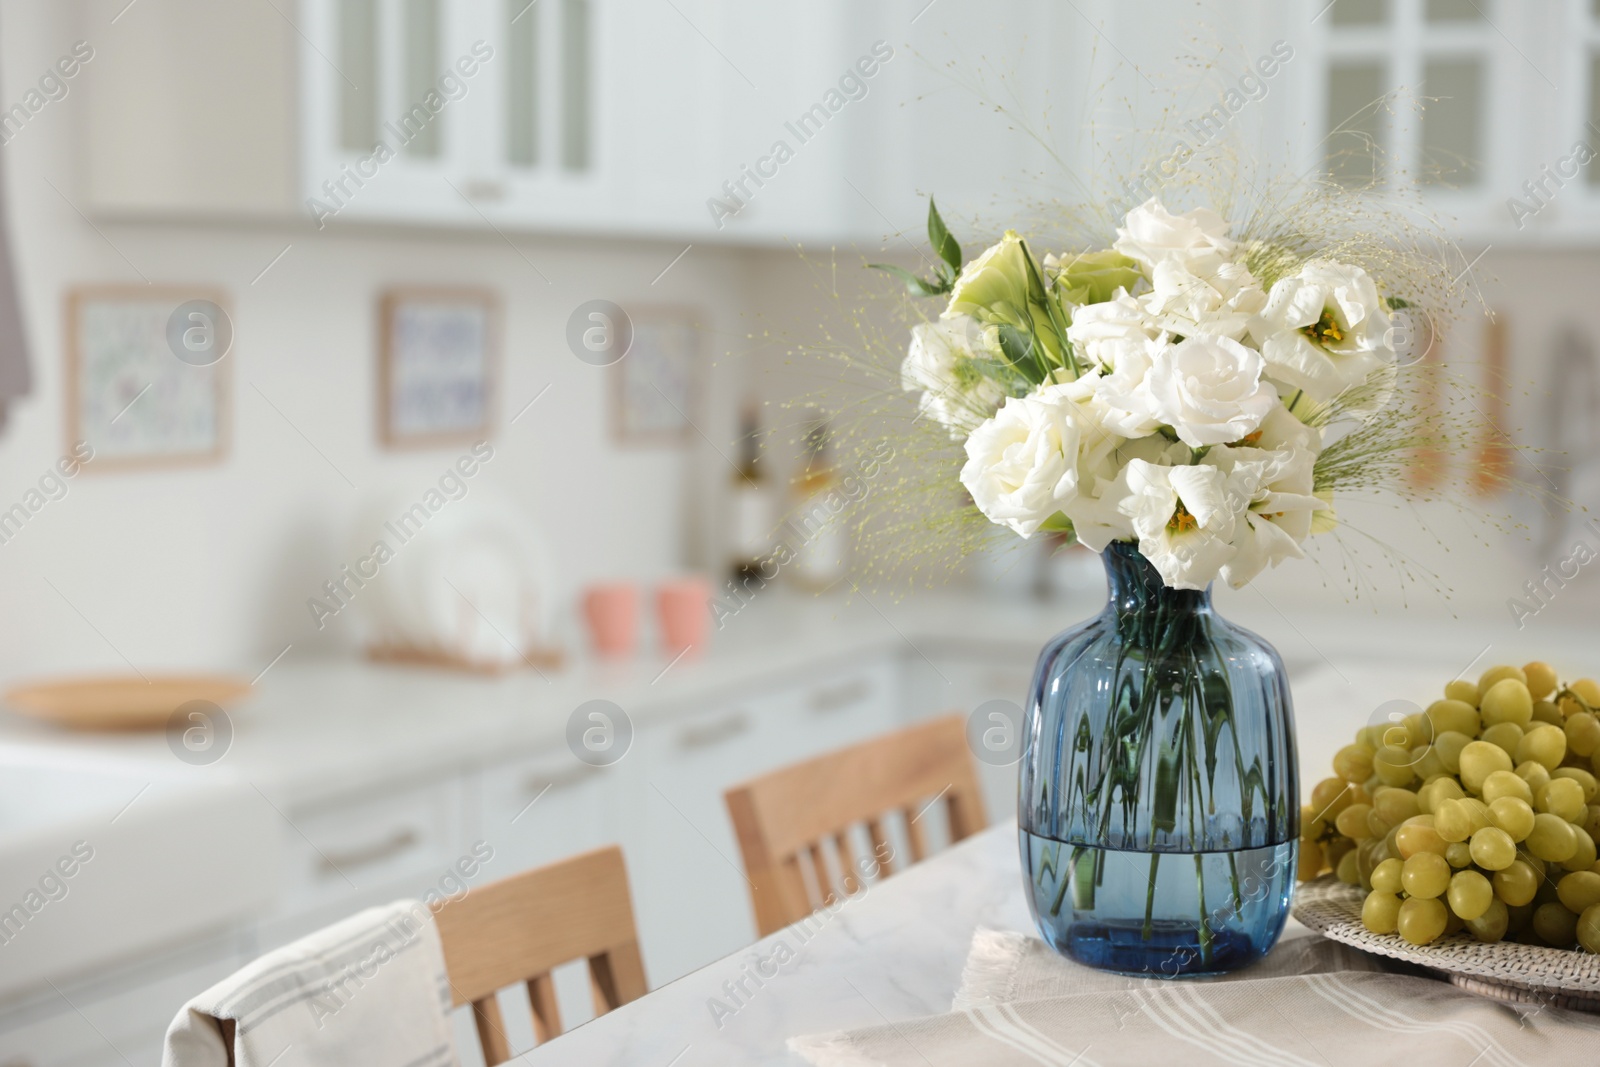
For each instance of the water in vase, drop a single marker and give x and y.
(1159, 914)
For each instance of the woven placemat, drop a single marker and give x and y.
(1505, 970)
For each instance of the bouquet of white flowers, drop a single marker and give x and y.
(1156, 392)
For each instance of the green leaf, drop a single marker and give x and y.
(938, 236)
(915, 285)
(1396, 303)
(1018, 348)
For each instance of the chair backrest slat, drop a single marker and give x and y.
(519, 929)
(810, 808)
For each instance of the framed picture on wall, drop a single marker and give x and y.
(147, 378)
(655, 386)
(437, 357)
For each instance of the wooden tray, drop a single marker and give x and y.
(1504, 970)
(119, 702)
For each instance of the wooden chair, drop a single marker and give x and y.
(519, 928)
(799, 810)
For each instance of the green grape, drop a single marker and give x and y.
(1513, 815)
(1478, 810)
(1425, 763)
(1579, 890)
(1395, 806)
(1505, 701)
(1591, 822)
(1386, 876)
(1479, 759)
(1380, 912)
(1470, 894)
(1587, 690)
(1425, 874)
(1591, 787)
(1352, 821)
(1588, 929)
(1548, 713)
(1561, 797)
(1491, 925)
(1466, 692)
(1583, 733)
(1419, 730)
(1541, 679)
(1417, 834)
(1346, 869)
(1543, 744)
(1392, 765)
(1458, 854)
(1445, 789)
(1505, 735)
(1490, 677)
(1535, 774)
(1377, 825)
(1516, 884)
(1452, 716)
(1554, 924)
(1449, 745)
(1452, 821)
(1584, 857)
(1421, 920)
(1311, 824)
(1505, 784)
(1493, 849)
(1550, 839)
(1353, 763)
(1331, 796)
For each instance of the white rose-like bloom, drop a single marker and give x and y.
(1116, 319)
(1324, 330)
(939, 363)
(1097, 518)
(1270, 492)
(1183, 519)
(1022, 465)
(1205, 295)
(1150, 233)
(1209, 390)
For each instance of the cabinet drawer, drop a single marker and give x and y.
(350, 848)
(544, 808)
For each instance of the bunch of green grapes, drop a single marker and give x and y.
(1479, 813)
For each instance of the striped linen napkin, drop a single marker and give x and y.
(369, 990)
(1311, 1003)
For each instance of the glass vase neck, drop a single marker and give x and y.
(1135, 587)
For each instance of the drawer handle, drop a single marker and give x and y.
(396, 843)
(535, 784)
(840, 696)
(713, 733)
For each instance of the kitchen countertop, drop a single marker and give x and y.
(317, 729)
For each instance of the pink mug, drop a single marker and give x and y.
(612, 611)
(683, 607)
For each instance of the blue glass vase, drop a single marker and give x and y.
(1159, 809)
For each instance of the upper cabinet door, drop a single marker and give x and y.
(1464, 101)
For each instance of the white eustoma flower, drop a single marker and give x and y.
(1204, 295)
(1209, 390)
(1150, 233)
(940, 362)
(1023, 464)
(1324, 330)
(1115, 385)
(1097, 518)
(1183, 519)
(1271, 495)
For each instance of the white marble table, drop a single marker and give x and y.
(894, 951)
